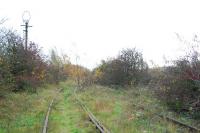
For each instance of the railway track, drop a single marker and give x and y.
(102, 129)
(194, 129)
(45, 126)
(191, 128)
(93, 119)
(99, 126)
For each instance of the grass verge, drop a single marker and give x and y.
(132, 110)
(24, 112)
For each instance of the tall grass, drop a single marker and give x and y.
(24, 112)
(132, 110)
(67, 116)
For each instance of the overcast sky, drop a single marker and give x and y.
(98, 29)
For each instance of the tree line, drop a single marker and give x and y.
(177, 84)
(128, 68)
(26, 69)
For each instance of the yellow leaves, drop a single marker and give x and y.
(78, 73)
(39, 74)
(98, 74)
(42, 74)
(74, 71)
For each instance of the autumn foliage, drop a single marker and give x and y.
(22, 69)
(128, 68)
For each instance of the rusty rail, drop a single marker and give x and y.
(180, 123)
(92, 118)
(194, 129)
(44, 129)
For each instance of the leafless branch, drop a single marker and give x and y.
(3, 20)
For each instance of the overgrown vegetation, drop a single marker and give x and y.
(20, 68)
(179, 85)
(26, 69)
(131, 110)
(67, 115)
(24, 112)
(176, 85)
(128, 68)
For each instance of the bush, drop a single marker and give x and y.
(20, 68)
(128, 68)
(180, 84)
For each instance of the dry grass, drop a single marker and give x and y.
(24, 112)
(129, 110)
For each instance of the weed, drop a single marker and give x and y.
(129, 110)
